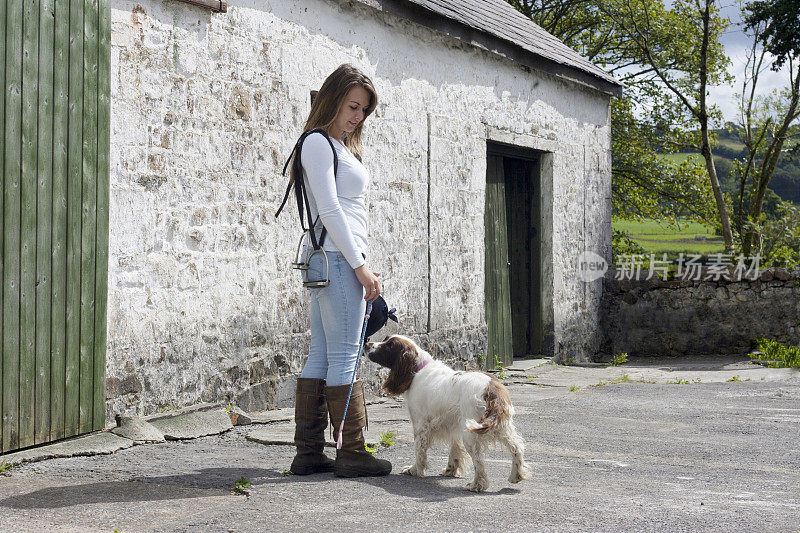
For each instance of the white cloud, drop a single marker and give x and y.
(737, 44)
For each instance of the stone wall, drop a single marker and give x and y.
(685, 317)
(203, 305)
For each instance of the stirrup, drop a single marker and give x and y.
(322, 282)
(297, 263)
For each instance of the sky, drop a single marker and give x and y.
(736, 44)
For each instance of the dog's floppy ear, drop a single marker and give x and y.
(402, 373)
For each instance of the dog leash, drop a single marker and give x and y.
(355, 371)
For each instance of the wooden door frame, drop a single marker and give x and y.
(541, 327)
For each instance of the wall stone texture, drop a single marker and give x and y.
(681, 316)
(203, 305)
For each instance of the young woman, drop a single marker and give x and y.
(346, 98)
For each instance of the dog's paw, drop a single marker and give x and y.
(478, 485)
(452, 471)
(412, 471)
(520, 474)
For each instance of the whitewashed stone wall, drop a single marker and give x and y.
(205, 107)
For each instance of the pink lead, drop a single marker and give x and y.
(355, 370)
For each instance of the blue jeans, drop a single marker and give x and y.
(337, 317)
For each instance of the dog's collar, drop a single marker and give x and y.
(423, 364)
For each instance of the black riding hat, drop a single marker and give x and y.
(378, 316)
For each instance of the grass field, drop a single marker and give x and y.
(657, 237)
(679, 158)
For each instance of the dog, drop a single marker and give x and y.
(467, 410)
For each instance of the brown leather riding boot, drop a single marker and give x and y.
(352, 460)
(310, 419)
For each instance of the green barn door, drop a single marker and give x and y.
(522, 212)
(498, 294)
(55, 113)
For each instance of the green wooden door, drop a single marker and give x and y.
(518, 207)
(55, 117)
(498, 295)
(522, 212)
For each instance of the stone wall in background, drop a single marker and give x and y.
(203, 305)
(687, 317)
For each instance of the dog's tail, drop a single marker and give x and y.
(498, 407)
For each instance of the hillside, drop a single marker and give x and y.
(785, 182)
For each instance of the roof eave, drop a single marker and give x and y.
(431, 19)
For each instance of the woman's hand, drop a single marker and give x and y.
(369, 280)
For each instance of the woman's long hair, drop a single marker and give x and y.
(329, 100)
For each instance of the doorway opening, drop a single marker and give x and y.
(513, 251)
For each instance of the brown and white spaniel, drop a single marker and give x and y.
(467, 410)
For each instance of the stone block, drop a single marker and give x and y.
(193, 425)
(95, 444)
(259, 397)
(137, 430)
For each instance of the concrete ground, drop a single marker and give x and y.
(666, 445)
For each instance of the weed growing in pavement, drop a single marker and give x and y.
(370, 449)
(388, 438)
(497, 367)
(240, 486)
(619, 359)
(573, 388)
(776, 355)
(5, 467)
(735, 378)
(623, 379)
(171, 406)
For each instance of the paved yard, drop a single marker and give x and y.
(711, 455)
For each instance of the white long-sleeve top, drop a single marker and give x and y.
(340, 203)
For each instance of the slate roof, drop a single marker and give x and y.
(499, 19)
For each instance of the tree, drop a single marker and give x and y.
(643, 123)
(780, 23)
(767, 122)
(644, 183)
(679, 56)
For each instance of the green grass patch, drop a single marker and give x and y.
(681, 157)
(5, 467)
(656, 227)
(776, 355)
(623, 379)
(658, 237)
(730, 144)
(619, 359)
(679, 381)
(388, 438)
(242, 484)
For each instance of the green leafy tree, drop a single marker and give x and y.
(767, 123)
(676, 55)
(645, 184)
(780, 23)
(655, 52)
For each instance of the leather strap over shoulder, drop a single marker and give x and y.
(300, 186)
